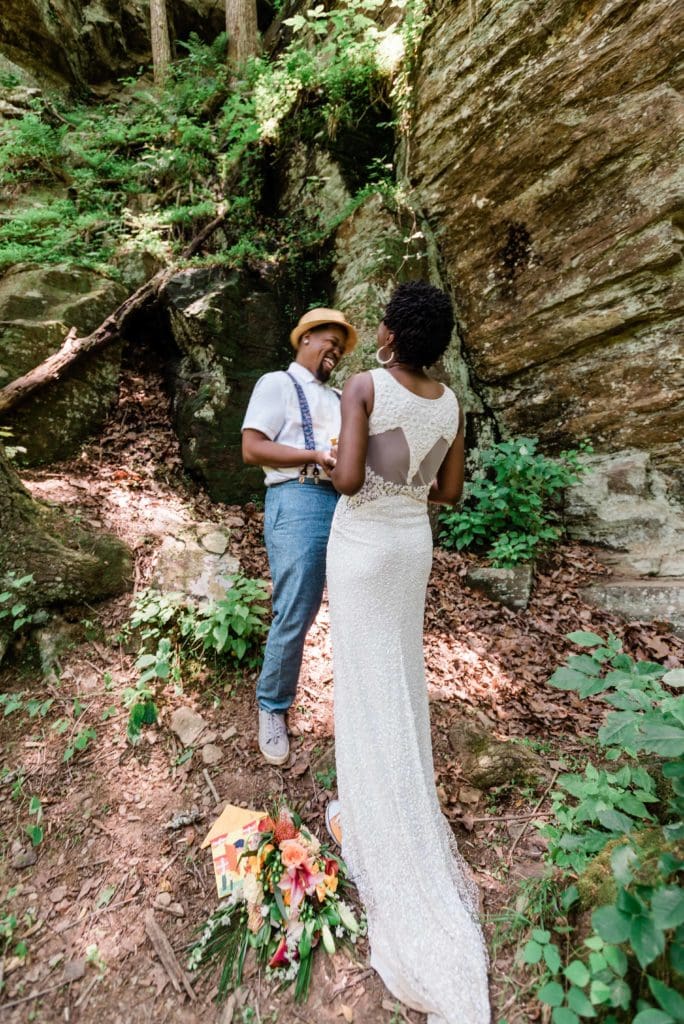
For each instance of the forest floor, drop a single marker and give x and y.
(108, 856)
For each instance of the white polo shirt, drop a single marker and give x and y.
(274, 410)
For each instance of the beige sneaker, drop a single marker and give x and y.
(333, 822)
(273, 740)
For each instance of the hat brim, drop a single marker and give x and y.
(300, 329)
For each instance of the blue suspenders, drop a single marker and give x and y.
(307, 427)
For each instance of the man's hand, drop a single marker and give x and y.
(326, 460)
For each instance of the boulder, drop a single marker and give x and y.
(623, 503)
(487, 762)
(184, 565)
(37, 308)
(229, 329)
(657, 600)
(510, 587)
(545, 151)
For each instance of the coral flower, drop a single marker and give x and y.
(293, 854)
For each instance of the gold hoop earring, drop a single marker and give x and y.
(379, 359)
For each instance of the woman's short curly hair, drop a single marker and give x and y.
(421, 318)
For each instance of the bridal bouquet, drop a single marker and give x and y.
(286, 904)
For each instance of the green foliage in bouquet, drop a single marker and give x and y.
(288, 904)
(510, 511)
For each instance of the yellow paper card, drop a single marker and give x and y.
(227, 837)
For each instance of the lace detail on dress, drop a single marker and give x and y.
(408, 436)
(375, 487)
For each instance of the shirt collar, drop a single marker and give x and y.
(302, 374)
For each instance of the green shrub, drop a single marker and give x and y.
(631, 966)
(175, 632)
(510, 510)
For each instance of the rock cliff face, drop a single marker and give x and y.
(76, 43)
(547, 153)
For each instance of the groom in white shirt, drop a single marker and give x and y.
(292, 421)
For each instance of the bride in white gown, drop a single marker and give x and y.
(401, 444)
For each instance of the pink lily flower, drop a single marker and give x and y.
(280, 957)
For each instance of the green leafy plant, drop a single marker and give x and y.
(179, 632)
(510, 511)
(631, 966)
(13, 605)
(35, 829)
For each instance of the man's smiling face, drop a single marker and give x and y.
(321, 349)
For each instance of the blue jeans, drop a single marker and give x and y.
(296, 528)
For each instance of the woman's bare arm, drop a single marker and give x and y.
(448, 487)
(357, 404)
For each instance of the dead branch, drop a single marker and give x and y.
(167, 956)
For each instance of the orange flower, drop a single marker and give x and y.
(294, 855)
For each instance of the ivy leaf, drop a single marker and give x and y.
(615, 820)
(552, 958)
(652, 1016)
(665, 740)
(611, 924)
(617, 960)
(584, 639)
(647, 941)
(552, 994)
(621, 861)
(674, 677)
(668, 907)
(567, 679)
(577, 973)
(532, 953)
(668, 999)
(579, 1002)
(561, 1015)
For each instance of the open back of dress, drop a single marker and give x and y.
(425, 941)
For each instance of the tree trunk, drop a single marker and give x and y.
(68, 563)
(241, 26)
(159, 37)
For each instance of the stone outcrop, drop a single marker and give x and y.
(622, 503)
(37, 308)
(68, 42)
(546, 152)
(229, 331)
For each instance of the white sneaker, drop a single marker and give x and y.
(333, 822)
(273, 740)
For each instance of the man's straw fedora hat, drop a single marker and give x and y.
(315, 318)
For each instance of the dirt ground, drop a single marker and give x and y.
(109, 855)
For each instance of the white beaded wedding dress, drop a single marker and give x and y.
(421, 905)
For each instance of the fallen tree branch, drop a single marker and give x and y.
(73, 348)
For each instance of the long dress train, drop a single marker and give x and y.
(425, 940)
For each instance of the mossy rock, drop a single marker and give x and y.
(488, 762)
(596, 884)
